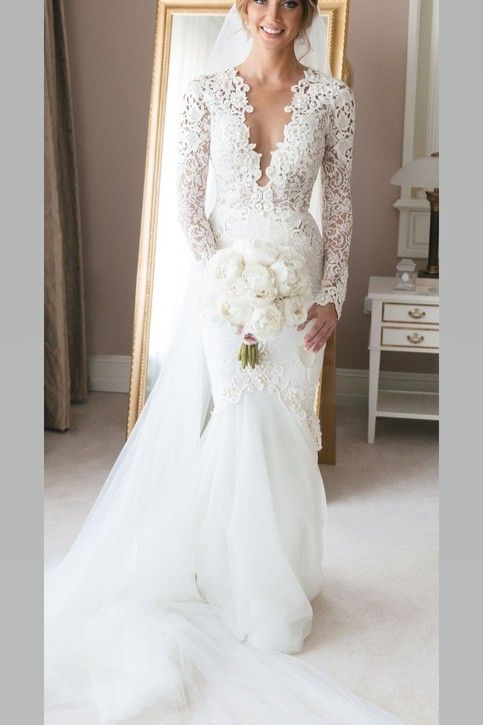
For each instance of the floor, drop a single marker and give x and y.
(376, 622)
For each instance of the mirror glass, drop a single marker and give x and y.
(192, 38)
(183, 41)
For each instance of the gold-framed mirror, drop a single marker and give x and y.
(185, 32)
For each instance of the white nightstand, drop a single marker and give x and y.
(405, 322)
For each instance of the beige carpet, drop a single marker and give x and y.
(376, 623)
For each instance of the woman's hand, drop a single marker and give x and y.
(324, 319)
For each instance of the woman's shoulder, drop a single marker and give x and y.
(203, 82)
(327, 81)
(333, 92)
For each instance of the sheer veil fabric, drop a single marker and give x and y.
(128, 639)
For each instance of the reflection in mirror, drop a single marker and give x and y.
(192, 38)
(421, 133)
(185, 34)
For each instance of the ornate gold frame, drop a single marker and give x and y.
(337, 12)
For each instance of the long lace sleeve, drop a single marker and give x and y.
(192, 172)
(336, 199)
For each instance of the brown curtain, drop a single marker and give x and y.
(65, 364)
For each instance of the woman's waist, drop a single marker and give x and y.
(298, 229)
(249, 221)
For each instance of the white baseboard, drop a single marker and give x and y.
(111, 373)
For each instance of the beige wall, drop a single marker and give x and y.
(111, 45)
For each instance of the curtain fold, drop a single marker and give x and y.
(65, 360)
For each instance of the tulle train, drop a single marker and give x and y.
(128, 635)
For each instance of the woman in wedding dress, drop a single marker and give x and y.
(189, 587)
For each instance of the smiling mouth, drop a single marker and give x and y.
(272, 32)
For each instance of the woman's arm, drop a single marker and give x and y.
(336, 199)
(192, 172)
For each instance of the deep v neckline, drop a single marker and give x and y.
(248, 108)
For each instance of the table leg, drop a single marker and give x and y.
(374, 362)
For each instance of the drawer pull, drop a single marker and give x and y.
(415, 338)
(416, 314)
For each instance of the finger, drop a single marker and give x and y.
(319, 344)
(310, 337)
(321, 340)
(319, 347)
(326, 338)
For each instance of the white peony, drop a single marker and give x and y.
(295, 309)
(265, 321)
(259, 252)
(234, 308)
(280, 271)
(291, 278)
(241, 286)
(261, 289)
(224, 268)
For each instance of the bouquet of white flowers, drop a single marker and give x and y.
(259, 287)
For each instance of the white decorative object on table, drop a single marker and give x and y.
(405, 274)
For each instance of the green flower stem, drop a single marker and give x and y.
(249, 355)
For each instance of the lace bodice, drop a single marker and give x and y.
(319, 134)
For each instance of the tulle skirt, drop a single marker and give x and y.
(192, 576)
(261, 514)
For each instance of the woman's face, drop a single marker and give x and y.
(281, 16)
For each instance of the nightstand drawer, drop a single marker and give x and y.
(409, 338)
(404, 312)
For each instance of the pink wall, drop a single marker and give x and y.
(111, 49)
(111, 46)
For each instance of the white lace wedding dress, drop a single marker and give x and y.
(266, 579)
(192, 578)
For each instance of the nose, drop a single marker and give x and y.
(273, 11)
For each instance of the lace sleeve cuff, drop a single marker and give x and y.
(331, 294)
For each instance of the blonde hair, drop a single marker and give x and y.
(309, 12)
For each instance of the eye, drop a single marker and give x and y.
(289, 3)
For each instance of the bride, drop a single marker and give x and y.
(189, 588)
